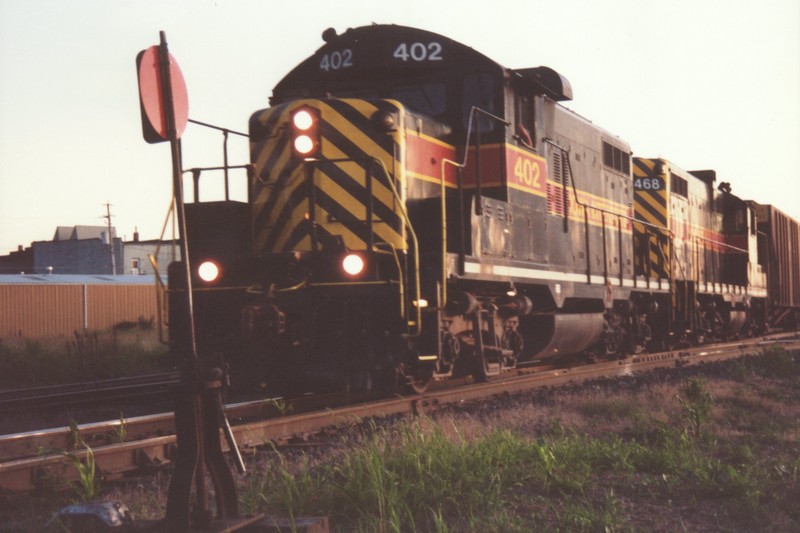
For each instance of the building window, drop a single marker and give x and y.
(135, 266)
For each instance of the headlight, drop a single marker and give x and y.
(303, 120)
(208, 271)
(303, 144)
(305, 132)
(353, 264)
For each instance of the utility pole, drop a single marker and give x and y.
(108, 216)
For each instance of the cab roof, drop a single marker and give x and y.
(372, 52)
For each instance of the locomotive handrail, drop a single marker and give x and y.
(715, 243)
(603, 211)
(724, 245)
(407, 222)
(196, 171)
(294, 287)
(478, 194)
(401, 281)
(225, 132)
(443, 285)
(219, 128)
(350, 283)
(415, 244)
(578, 201)
(472, 111)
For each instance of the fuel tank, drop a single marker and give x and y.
(560, 334)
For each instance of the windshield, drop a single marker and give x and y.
(425, 98)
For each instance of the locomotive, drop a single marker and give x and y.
(418, 212)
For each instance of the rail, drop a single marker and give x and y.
(27, 473)
(87, 391)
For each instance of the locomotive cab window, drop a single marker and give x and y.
(740, 221)
(524, 130)
(480, 90)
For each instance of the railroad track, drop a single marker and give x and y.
(89, 391)
(154, 443)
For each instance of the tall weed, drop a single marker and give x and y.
(696, 402)
(88, 484)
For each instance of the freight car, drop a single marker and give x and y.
(779, 256)
(417, 211)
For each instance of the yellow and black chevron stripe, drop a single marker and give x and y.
(351, 148)
(651, 205)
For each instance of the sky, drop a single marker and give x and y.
(704, 83)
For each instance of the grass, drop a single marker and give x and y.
(131, 349)
(699, 451)
(416, 478)
(700, 454)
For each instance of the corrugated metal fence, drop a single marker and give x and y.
(44, 310)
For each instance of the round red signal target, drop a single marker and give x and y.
(150, 93)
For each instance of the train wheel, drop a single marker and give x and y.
(480, 370)
(421, 378)
(414, 379)
(639, 346)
